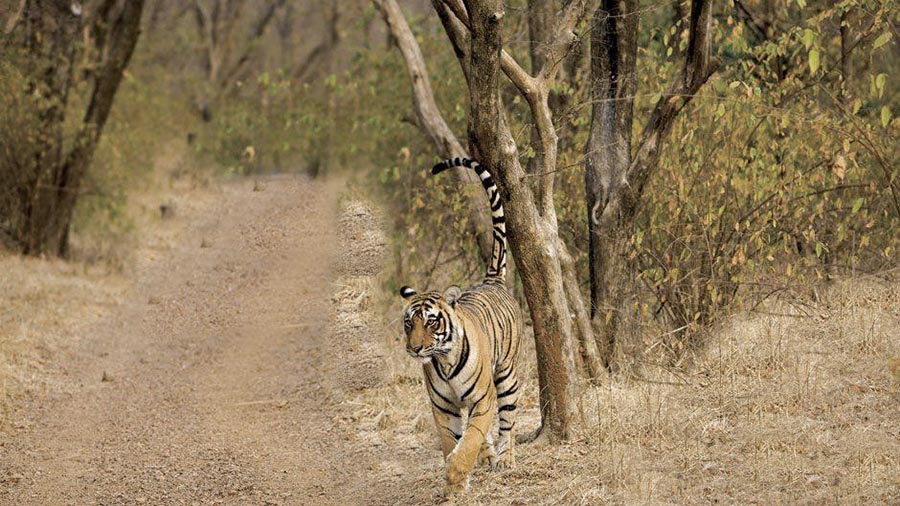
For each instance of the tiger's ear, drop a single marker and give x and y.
(451, 295)
(406, 292)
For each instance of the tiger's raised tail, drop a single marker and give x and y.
(497, 267)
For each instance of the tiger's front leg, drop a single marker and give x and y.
(449, 426)
(462, 459)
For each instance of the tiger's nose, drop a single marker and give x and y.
(414, 349)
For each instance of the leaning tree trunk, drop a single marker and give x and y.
(429, 119)
(109, 29)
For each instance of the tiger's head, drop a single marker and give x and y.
(430, 322)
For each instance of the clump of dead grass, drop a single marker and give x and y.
(44, 304)
(794, 406)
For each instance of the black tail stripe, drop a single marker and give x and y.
(497, 267)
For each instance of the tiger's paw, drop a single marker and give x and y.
(455, 490)
(505, 461)
(488, 456)
(457, 477)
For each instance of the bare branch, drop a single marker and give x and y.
(696, 71)
(456, 31)
(16, 18)
(565, 37)
(428, 115)
(521, 79)
(590, 353)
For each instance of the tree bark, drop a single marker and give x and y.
(587, 346)
(109, 30)
(615, 183)
(540, 17)
(608, 156)
(532, 222)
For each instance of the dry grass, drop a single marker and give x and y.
(45, 305)
(790, 407)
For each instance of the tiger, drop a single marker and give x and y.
(468, 344)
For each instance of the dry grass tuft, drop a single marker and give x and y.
(45, 305)
(352, 319)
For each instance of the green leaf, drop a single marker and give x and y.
(819, 248)
(857, 204)
(881, 40)
(814, 60)
(720, 110)
(808, 38)
(885, 116)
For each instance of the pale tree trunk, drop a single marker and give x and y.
(615, 180)
(531, 216)
(430, 120)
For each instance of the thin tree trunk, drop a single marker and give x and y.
(615, 183)
(532, 223)
(540, 22)
(587, 346)
(608, 156)
(111, 33)
(124, 29)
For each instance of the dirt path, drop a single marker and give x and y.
(213, 383)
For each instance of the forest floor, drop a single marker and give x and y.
(247, 360)
(212, 378)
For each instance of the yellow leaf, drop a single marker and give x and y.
(839, 167)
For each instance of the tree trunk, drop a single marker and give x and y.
(608, 156)
(111, 29)
(431, 121)
(533, 238)
(587, 346)
(615, 180)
